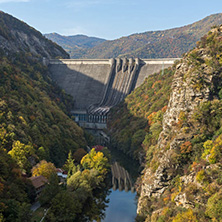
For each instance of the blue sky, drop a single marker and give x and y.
(108, 19)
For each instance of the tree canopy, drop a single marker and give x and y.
(44, 168)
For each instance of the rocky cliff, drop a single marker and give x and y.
(183, 180)
(17, 36)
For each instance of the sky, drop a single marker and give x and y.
(109, 19)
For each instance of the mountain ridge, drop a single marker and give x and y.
(152, 44)
(75, 43)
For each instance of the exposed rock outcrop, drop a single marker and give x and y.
(17, 36)
(193, 84)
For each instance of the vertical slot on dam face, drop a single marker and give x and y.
(113, 85)
(117, 82)
(112, 75)
(135, 74)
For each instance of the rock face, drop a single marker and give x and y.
(16, 36)
(192, 85)
(184, 96)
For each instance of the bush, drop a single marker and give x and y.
(201, 176)
(185, 216)
(207, 148)
(214, 207)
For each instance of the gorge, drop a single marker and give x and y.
(165, 113)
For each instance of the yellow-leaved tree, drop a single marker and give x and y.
(95, 160)
(20, 153)
(44, 168)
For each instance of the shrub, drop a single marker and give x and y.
(149, 154)
(202, 177)
(207, 148)
(186, 148)
(214, 207)
(182, 119)
(185, 216)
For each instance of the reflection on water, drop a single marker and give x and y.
(121, 178)
(122, 203)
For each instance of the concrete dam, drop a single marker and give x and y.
(98, 85)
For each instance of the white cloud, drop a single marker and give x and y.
(7, 1)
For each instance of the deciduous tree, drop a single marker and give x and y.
(44, 168)
(95, 160)
(20, 152)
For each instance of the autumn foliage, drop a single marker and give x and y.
(44, 168)
(186, 147)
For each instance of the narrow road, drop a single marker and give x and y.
(44, 215)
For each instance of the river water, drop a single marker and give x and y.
(122, 207)
(122, 198)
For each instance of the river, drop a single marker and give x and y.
(122, 207)
(122, 198)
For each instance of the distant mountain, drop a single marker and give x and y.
(152, 44)
(75, 45)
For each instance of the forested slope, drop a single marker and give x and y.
(138, 120)
(182, 176)
(34, 121)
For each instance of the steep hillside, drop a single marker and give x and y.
(75, 45)
(34, 110)
(17, 36)
(36, 106)
(140, 115)
(153, 44)
(34, 121)
(182, 178)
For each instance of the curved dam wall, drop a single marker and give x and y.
(98, 85)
